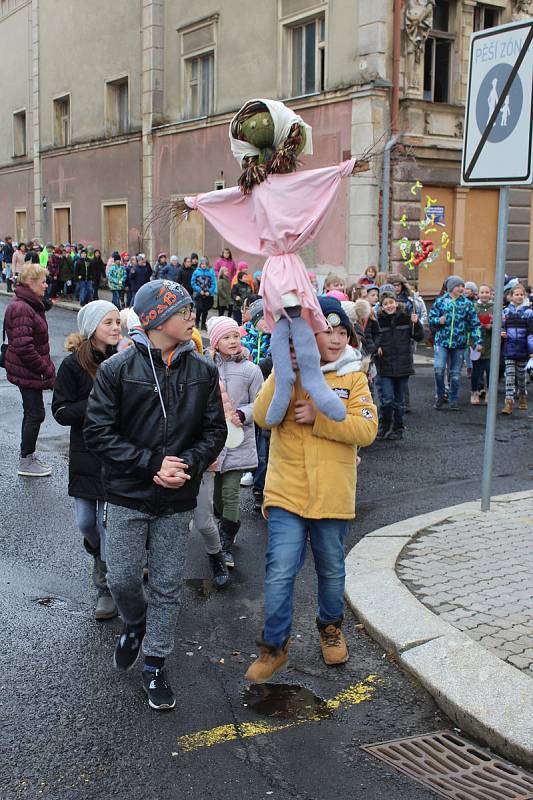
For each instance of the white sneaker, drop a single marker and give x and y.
(247, 479)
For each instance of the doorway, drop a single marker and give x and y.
(115, 225)
(62, 228)
(21, 225)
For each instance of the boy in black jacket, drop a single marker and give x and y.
(156, 421)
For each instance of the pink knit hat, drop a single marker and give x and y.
(217, 327)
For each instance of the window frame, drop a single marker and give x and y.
(187, 58)
(56, 99)
(110, 84)
(436, 35)
(17, 113)
(319, 12)
(482, 7)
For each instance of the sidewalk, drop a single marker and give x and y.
(450, 594)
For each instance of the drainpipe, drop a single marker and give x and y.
(395, 114)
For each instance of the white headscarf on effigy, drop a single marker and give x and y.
(283, 117)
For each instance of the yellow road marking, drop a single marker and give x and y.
(352, 696)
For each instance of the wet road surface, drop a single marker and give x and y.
(72, 727)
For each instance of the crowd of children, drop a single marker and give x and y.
(142, 480)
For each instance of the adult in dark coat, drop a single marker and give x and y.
(99, 325)
(28, 363)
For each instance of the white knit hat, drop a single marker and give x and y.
(91, 315)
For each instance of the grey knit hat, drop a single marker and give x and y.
(453, 281)
(387, 288)
(256, 311)
(91, 315)
(471, 285)
(157, 301)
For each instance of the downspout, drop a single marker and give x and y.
(395, 115)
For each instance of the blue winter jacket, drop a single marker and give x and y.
(204, 280)
(461, 326)
(257, 342)
(517, 322)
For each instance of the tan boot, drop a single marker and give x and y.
(522, 402)
(270, 660)
(507, 406)
(333, 644)
(474, 398)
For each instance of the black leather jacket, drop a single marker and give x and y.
(126, 428)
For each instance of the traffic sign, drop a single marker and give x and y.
(497, 147)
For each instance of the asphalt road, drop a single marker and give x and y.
(72, 727)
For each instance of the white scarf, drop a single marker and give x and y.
(283, 118)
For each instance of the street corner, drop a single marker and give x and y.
(451, 598)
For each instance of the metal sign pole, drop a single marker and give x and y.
(490, 430)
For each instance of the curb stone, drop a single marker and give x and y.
(477, 690)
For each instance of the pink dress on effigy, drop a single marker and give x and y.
(278, 218)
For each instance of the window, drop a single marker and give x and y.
(62, 121)
(19, 133)
(308, 57)
(486, 17)
(117, 108)
(437, 55)
(200, 85)
(198, 50)
(21, 224)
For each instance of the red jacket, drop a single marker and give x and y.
(28, 362)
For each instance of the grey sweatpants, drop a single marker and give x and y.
(203, 518)
(128, 532)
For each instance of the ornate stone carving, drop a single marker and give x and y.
(521, 8)
(418, 23)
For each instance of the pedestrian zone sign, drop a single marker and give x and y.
(499, 109)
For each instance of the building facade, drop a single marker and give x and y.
(98, 137)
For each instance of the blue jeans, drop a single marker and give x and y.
(90, 521)
(86, 292)
(287, 540)
(115, 298)
(393, 396)
(451, 357)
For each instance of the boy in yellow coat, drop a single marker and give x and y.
(310, 489)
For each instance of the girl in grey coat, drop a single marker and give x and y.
(242, 381)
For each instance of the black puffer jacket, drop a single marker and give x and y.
(69, 404)
(394, 338)
(126, 428)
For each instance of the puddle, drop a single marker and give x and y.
(285, 701)
(50, 602)
(202, 586)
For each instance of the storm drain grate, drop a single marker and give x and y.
(454, 767)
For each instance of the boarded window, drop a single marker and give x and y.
(117, 110)
(21, 225)
(62, 121)
(19, 133)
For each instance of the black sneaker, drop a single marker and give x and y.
(160, 695)
(128, 647)
(219, 569)
(395, 434)
(453, 406)
(258, 501)
(439, 402)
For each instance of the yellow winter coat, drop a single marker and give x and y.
(312, 468)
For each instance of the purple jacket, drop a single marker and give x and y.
(28, 363)
(518, 325)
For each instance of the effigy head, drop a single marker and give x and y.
(267, 138)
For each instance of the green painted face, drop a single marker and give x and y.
(259, 130)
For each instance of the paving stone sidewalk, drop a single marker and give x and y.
(476, 572)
